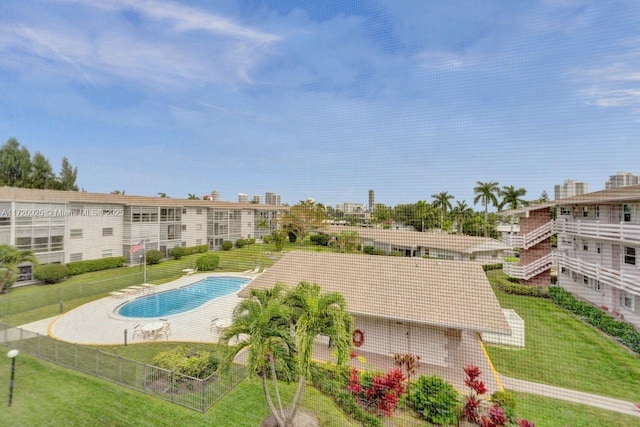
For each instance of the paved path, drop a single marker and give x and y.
(597, 401)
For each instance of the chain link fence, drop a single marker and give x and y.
(194, 393)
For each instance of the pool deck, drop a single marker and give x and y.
(95, 323)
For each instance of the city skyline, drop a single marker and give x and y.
(324, 102)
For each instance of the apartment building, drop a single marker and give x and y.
(621, 179)
(598, 240)
(65, 226)
(570, 188)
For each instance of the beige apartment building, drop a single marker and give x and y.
(598, 243)
(65, 226)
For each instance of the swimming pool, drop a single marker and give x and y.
(182, 299)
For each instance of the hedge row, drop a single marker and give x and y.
(622, 331)
(509, 287)
(487, 267)
(180, 251)
(79, 267)
(51, 273)
(333, 382)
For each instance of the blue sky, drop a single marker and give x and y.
(324, 99)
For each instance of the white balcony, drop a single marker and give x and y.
(623, 231)
(528, 240)
(625, 280)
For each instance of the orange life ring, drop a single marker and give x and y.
(358, 337)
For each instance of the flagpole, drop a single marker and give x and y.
(145, 263)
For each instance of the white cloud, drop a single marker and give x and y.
(445, 60)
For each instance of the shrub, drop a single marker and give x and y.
(240, 243)
(488, 267)
(79, 267)
(378, 393)
(178, 252)
(266, 239)
(434, 399)
(368, 249)
(292, 237)
(197, 364)
(320, 239)
(507, 402)
(207, 262)
(51, 273)
(395, 253)
(507, 286)
(251, 241)
(153, 257)
(227, 245)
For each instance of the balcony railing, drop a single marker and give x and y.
(525, 241)
(625, 280)
(530, 270)
(622, 231)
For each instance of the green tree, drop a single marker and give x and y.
(347, 240)
(67, 176)
(163, 195)
(512, 197)
(118, 192)
(461, 212)
(382, 213)
(42, 175)
(10, 258)
(265, 321)
(486, 193)
(302, 218)
(442, 201)
(192, 196)
(315, 313)
(279, 237)
(15, 164)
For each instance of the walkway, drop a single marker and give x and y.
(574, 396)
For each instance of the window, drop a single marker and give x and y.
(107, 231)
(629, 255)
(598, 247)
(198, 241)
(585, 211)
(597, 211)
(184, 227)
(626, 209)
(75, 233)
(627, 300)
(585, 245)
(184, 210)
(106, 253)
(198, 227)
(75, 257)
(198, 211)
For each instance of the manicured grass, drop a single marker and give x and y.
(558, 413)
(563, 351)
(48, 395)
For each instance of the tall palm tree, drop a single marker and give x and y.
(10, 258)
(442, 201)
(486, 192)
(316, 313)
(511, 197)
(263, 319)
(461, 212)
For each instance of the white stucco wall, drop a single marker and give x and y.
(515, 339)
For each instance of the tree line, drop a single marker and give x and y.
(19, 169)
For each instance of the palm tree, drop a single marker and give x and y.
(10, 258)
(264, 319)
(347, 240)
(442, 201)
(461, 212)
(486, 192)
(192, 196)
(511, 197)
(316, 313)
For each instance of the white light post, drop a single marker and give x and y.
(12, 355)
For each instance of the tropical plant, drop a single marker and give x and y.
(461, 212)
(347, 240)
(486, 193)
(434, 399)
(279, 237)
(10, 258)
(511, 197)
(442, 202)
(264, 319)
(192, 196)
(378, 393)
(315, 313)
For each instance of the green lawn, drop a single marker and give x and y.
(48, 395)
(563, 351)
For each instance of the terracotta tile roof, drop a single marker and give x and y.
(443, 293)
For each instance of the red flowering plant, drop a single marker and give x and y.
(378, 393)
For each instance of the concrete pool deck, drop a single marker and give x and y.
(95, 323)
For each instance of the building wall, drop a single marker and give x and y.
(195, 222)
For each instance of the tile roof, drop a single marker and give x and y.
(447, 294)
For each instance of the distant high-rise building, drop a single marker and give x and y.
(570, 188)
(372, 200)
(621, 179)
(272, 199)
(256, 199)
(215, 196)
(243, 198)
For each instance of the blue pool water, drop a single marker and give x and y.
(182, 299)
